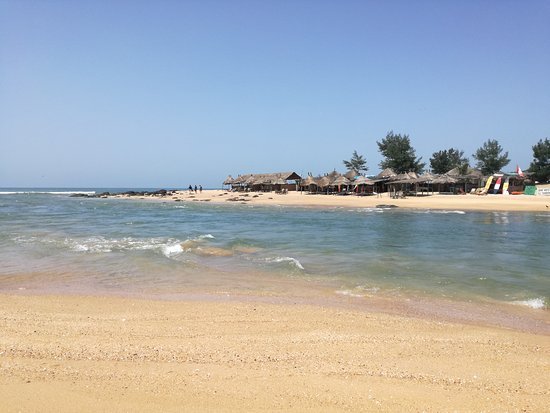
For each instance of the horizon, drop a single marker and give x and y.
(143, 95)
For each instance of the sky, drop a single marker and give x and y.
(171, 93)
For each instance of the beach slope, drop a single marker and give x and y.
(75, 353)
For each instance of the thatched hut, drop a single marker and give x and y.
(341, 182)
(310, 184)
(381, 180)
(363, 185)
(267, 182)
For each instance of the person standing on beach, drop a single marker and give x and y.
(195, 188)
(200, 189)
(190, 189)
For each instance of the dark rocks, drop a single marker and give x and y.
(160, 193)
(386, 206)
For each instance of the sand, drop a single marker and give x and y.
(467, 202)
(69, 354)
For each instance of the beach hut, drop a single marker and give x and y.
(342, 183)
(351, 175)
(402, 181)
(361, 184)
(267, 182)
(324, 183)
(424, 183)
(310, 183)
(381, 180)
(228, 181)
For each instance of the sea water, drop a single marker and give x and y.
(53, 242)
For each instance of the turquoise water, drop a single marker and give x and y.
(53, 242)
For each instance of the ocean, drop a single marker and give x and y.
(51, 242)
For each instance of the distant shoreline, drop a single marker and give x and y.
(498, 203)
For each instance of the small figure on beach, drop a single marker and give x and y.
(195, 188)
(190, 188)
(200, 188)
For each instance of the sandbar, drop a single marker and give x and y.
(469, 202)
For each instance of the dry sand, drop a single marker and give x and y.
(445, 202)
(70, 354)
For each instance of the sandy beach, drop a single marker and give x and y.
(292, 345)
(115, 354)
(303, 199)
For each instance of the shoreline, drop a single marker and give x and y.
(143, 355)
(482, 312)
(496, 203)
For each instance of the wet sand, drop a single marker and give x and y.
(76, 353)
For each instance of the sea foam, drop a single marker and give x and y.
(171, 250)
(290, 260)
(438, 211)
(535, 303)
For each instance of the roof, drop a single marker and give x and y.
(271, 178)
(385, 174)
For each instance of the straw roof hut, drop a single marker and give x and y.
(351, 174)
(363, 180)
(445, 179)
(404, 178)
(323, 182)
(426, 177)
(385, 174)
(279, 181)
(309, 181)
(341, 180)
(229, 180)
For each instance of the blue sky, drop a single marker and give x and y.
(172, 93)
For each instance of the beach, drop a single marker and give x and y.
(467, 202)
(268, 302)
(82, 353)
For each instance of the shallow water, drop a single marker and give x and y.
(53, 241)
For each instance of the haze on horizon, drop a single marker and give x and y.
(170, 93)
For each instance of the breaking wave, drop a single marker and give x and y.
(438, 211)
(292, 261)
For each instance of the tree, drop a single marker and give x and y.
(357, 163)
(398, 154)
(444, 161)
(540, 166)
(489, 157)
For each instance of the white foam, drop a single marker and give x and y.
(536, 303)
(290, 260)
(349, 293)
(206, 236)
(47, 192)
(80, 247)
(378, 210)
(437, 211)
(171, 250)
(168, 247)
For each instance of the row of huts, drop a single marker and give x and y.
(454, 181)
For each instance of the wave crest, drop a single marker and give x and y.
(292, 261)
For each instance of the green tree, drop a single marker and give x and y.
(445, 160)
(540, 166)
(490, 158)
(357, 163)
(398, 154)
